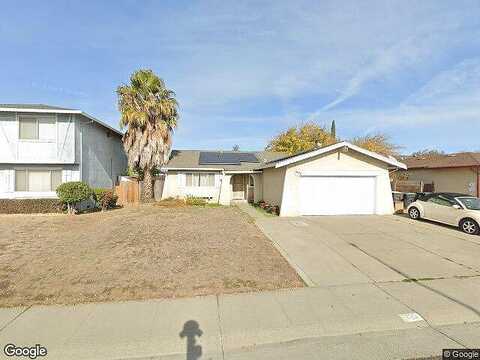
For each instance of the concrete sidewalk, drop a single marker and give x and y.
(333, 320)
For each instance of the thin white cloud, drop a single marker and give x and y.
(459, 85)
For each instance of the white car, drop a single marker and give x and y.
(448, 208)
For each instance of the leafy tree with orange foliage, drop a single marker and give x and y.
(379, 143)
(301, 138)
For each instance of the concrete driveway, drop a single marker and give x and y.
(431, 269)
(345, 250)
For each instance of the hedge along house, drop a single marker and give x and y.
(42, 146)
(337, 179)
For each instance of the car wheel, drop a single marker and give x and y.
(469, 226)
(414, 213)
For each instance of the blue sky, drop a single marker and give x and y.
(244, 70)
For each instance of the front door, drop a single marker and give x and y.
(238, 183)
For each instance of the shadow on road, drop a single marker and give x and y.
(191, 330)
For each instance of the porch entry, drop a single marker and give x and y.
(239, 187)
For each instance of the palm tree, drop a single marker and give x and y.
(149, 111)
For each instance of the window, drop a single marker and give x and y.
(36, 128)
(471, 203)
(439, 200)
(37, 180)
(28, 129)
(200, 179)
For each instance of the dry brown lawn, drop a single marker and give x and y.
(137, 253)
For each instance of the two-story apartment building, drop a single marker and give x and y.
(42, 146)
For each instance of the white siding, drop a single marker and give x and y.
(69, 141)
(58, 149)
(336, 163)
(7, 180)
(8, 137)
(175, 186)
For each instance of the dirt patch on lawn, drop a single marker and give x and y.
(138, 253)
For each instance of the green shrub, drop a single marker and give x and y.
(73, 192)
(105, 198)
(134, 172)
(194, 200)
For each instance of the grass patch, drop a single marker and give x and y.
(178, 203)
(171, 203)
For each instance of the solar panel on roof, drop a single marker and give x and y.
(248, 157)
(226, 158)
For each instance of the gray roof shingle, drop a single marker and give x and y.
(189, 159)
(463, 159)
(32, 106)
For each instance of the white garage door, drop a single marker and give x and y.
(337, 195)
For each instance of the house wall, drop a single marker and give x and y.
(226, 189)
(175, 186)
(7, 179)
(273, 180)
(59, 150)
(258, 187)
(348, 163)
(461, 180)
(100, 153)
(82, 149)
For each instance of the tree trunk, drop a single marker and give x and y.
(147, 186)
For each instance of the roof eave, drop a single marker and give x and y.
(37, 110)
(428, 167)
(316, 152)
(101, 123)
(61, 111)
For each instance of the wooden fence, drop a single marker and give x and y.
(412, 186)
(128, 192)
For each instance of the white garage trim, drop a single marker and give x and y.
(344, 173)
(344, 144)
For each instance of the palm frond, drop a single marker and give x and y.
(149, 112)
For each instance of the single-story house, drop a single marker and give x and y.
(338, 179)
(42, 146)
(458, 172)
